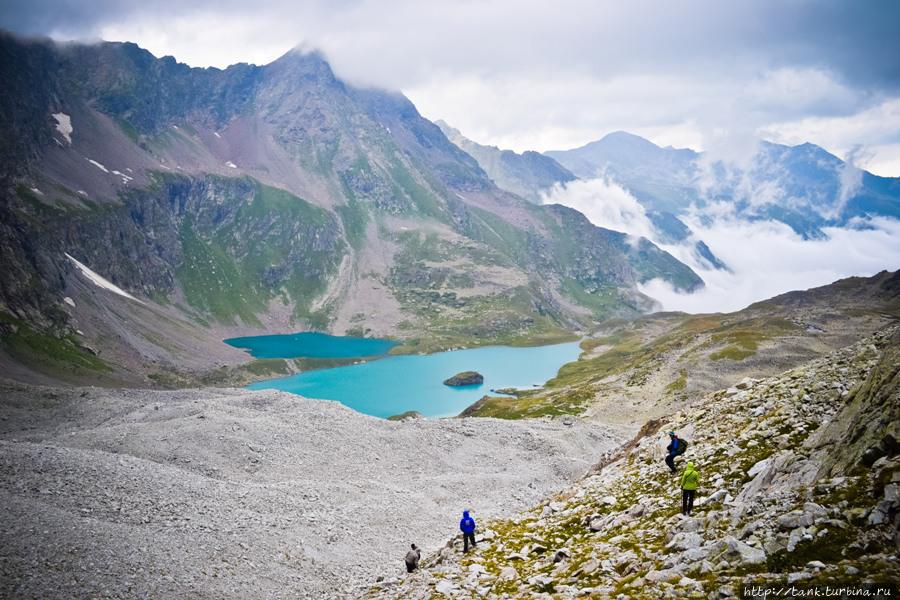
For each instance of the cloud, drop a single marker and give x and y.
(605, 203)
(851, 179)
(764, 258)
(537, 75)
(767, 258)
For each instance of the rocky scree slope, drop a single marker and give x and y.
(234, 494)
(270, 197)
(799, 480)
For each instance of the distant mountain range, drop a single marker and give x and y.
(261, 198)
(802, 186)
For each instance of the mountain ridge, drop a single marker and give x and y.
(115, 141)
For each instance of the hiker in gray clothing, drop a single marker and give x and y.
(412, 559)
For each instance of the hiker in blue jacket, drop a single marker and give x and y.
(673, 449)
(467, 526)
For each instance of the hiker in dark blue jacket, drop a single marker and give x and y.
(467, 526)
(673, 450)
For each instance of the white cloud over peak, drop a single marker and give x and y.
(605, 203)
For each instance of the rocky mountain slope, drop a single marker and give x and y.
(528, 175)
(799, 479)
(236, 494)
(267, 197)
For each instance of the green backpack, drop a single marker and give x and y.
(682, 447)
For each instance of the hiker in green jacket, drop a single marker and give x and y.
(690, 479)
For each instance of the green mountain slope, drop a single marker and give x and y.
(275, 198)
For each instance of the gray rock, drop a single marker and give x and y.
(662, 575)
(589, 566)
(742, 553)
(759, 467)
(685, 541)
(795, 537)
(791, 520)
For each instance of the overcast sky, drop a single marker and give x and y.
(557, 74)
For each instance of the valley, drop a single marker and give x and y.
(264, 326)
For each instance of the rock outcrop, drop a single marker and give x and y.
(465, 378)
(787, 493)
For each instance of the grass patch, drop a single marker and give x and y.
(679, 384)
(45, 352)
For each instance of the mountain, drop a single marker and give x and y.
(151, 209)
(802, 186)
(527, 175)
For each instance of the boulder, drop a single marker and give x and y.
(508, 574)
(790, 520)
(465, 378)
(589, 567)
(742, 553)
(445, 587)
(685, 541)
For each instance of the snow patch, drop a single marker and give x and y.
(64, 125)
(98, 165)
(216, 133)
(82, 193)
(101, 281)
(37, 191)
(125, 178)
(69, 301)
(231, 165)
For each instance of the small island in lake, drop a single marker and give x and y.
(410, 414)
(465, 378)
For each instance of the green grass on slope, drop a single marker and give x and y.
(632, 349)
(213, 282)
(227, 271)
(44, 352)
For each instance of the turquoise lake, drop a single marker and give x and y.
(396, 384)
(310, 345)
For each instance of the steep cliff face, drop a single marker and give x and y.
(279, 196)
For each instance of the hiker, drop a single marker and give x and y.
(467, 526)
(412, 558)
(675, 448)
(690, 479)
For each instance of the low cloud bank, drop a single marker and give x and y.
(765, 258)
(768, 258)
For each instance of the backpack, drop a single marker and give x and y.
(682, 447)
